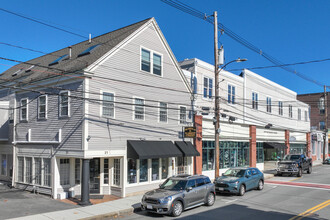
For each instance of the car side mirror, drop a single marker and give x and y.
(189, 189)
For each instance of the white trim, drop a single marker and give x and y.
(267, 96)
(59, 104)
(231, 94)
(36, 142)
(278, 102)
(27, 109)
(151, 52)
(159, 121)
(46, 107)
(101, 104)
(179, 120)
(256, 109)
(144, 108)
(208, 88)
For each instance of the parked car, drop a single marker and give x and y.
(240, 180)
(179, 193)
(326, 161)
(294, 164)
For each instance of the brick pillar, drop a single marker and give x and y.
(198, 161)
(308, 145)
(253, 146)
(287, 142)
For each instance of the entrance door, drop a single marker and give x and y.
(94, 176)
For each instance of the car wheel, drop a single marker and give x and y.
(210, 199)
(260, 185)
(278, 174)
(299, 173)
(241, 191)
(309, 171)
(177, 209)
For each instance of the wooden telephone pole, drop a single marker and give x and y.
(217, 96)
(325, 122)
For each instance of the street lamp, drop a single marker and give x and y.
(217, 111)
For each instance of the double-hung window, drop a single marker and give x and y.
(280, 108)
(269, 104)
(42, 107)
(108, 105)
(290, 111)
(163, 112)
(255, 100)
(139, 109)
(24, 109)
(64, 101)
(299, 114)
(148, 59)
(306, 116)
(231, 94)
(183, 115)
(208, 88)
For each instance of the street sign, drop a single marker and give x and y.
(189, 132)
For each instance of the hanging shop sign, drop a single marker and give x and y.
(189, 132)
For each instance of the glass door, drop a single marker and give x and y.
(94, 176)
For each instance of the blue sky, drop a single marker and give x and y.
(291, 31)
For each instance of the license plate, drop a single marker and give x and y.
(149, 206)
(220, 188)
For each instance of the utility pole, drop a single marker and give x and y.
(325, 121)
(217, 95)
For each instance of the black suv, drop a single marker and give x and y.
(179, 193)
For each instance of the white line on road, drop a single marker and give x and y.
(228, 201)
(297, 186)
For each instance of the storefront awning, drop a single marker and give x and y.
(274, 145)
(187, 148)
(152, 149)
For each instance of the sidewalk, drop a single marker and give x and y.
(108, 209)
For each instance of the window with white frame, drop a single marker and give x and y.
(299, 114)
(24, 109)
(147, 62)
(231, 94)
(116, 172)
(157, 64)
(42, 107)
(183, 115)
(64, 101)
(4, 164)
(47, 172)
(139, 109)
(28, 169)
(65, 171)
(306, 116)
(37, 171)
(255, 100)
(290, 111)
(20, 173)
(131, 170)
(108, 105)
(280, 108)
(106, 171)
(77, 171)
(208, 88)
(163, 112)
(269, 104)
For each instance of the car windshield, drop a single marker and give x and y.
(291, 157)
(234, 172)
(174, 184)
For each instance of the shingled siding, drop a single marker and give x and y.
(47, 130)
(124, 65)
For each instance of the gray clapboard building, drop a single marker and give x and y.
(106, 114)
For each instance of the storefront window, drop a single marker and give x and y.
(164, 168)
(131, 171)
(208, 155)
(106, 171)
(155, 169)
(297, 148)
(260, 152)
(143, 170)
(116, 172)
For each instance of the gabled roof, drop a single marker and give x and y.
(42, 70)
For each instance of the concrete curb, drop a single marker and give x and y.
(115, 214)
(268, 176)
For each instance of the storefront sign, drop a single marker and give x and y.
(292, 138)
(189, 132)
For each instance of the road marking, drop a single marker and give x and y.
(306, 187)
(228, 201)
(311, 210)
(295, 179)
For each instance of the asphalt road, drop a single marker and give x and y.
(18, 203)
(274, 202)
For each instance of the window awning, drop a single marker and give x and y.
(152, 149)
(274, 145)
(187, 148)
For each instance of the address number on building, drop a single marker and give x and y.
(189, 132)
